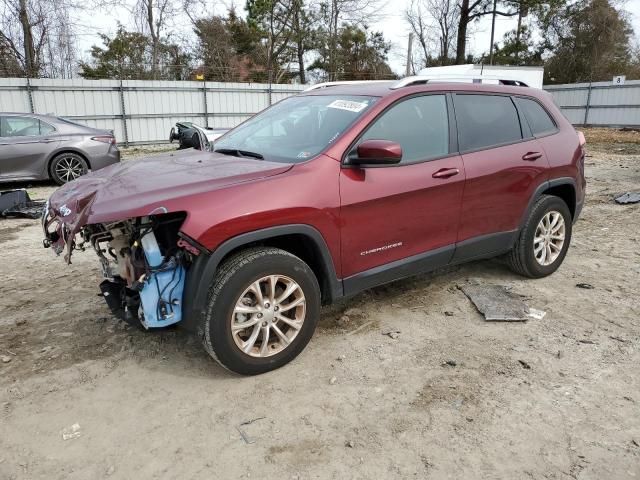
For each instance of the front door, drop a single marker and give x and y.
(401, 219)
(24, 146)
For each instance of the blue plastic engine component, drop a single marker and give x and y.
(161, 295)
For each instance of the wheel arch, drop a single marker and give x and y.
(303, 241)
(55, 153)
(564, 188)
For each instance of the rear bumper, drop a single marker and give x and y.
(105, 159)
(579, 205)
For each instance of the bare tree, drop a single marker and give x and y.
(38, 35)
(471, 10)
(333, 12)
(152, 17)
(434, 24)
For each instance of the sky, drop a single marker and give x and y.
(390, 21)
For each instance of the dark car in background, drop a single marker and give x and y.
(40, 147)
(190, 135)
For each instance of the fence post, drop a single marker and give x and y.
(586, 109)
(206, 107)
(123, 115)
(30, 95)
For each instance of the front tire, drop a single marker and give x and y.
(263, 308)
(66, 167)
(544, 239)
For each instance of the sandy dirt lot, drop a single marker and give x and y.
(452, 396)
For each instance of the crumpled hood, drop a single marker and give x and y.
(139, 187)
(157, 184)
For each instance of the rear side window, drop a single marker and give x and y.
(45, 128)
(537, 117)
(485, 121)
(420, 125)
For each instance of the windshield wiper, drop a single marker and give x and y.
(239, 153)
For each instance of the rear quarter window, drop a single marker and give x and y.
(485, 121)
(537, 117)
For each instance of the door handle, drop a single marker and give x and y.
(47, 140)
(446, 173)
(531, 156)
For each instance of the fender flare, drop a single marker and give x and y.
(202, 272)
(544, 186)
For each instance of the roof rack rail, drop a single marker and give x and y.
(318, 86)
(491, 79)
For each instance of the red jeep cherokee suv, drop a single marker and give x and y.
(321, 196)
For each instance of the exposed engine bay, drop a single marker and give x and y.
(144, 267)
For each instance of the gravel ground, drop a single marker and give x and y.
(451, 396)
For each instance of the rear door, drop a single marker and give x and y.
(504, 165)
(395, 213)
(25, 143)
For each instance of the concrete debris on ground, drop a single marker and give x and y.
(629, 197)
(498, 304)
(391, 333)
(71, 432)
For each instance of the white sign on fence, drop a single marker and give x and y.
(619, 79)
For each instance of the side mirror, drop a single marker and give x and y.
(377, 152)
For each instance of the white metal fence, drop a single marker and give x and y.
(599, 103)
(141, 111)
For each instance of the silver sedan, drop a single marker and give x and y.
(40, 147)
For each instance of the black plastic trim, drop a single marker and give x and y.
(546, 185)
(202, 272)
(406, 267)
(484, 246)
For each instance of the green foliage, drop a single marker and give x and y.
(359, 55)
(9, 63)
(128, 56)
(516, 50)
(228, 48)
(593, 43)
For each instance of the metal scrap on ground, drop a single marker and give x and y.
(629, 197)
(16, 203)
(497, 303)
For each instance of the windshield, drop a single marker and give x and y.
(295, 129)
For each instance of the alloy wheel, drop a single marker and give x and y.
(69, 168)
(268, 316)
(549, 238)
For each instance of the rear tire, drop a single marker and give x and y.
(287, 288)
(544, 239)
(66, 167)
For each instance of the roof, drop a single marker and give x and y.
(27, 114)
(382, 89)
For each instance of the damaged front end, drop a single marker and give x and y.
(144, 261)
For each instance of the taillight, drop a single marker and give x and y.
(110, 139)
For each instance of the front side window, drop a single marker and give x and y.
(20, 127)
(486, 121)
(295, 129)
(420, 125)
(537, 117)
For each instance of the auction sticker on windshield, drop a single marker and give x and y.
(348, 105)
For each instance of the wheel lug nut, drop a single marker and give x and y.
(259, 315)
(276, 308)
(266, 305)
(264, 324)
